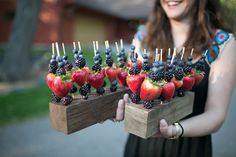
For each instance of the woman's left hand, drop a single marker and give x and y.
(165, 130)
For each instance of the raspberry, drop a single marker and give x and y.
(67, 100)
(134, 98)
(148, 104)
(84, 90)
(100, 91)
(55, 98)
(80, 62)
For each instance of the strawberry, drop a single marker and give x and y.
(50, 78)
(134, 82)
(188, 82)
(149, 90)
(111, 73)
(168, 90)
(121, 77)
(177, 83)
(79, 76)
(96, 79)
(61, 86)
(198, 78)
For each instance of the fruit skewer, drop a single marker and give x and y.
(80, 73)
(134, 79)
(110, 70)
(96, 77)
(122, 71)
(52, 67)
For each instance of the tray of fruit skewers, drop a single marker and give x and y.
(160, 91)
(80, 97)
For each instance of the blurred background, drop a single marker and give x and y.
(27, 29)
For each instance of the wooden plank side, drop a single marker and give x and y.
(144, 123)
(84, 113)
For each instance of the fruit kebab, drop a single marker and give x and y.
(198, 71)
(62, 84)
(146, 66)
(80, 74)
(68, 66)
(122, 71)
(188, 79)
(96, 77)
(110, 70)
(134, 79)
(52, 67)
(151, 87)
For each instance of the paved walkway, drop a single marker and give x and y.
(36, 138)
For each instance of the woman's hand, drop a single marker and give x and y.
(121, 107)
(166, 131)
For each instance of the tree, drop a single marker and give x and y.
(16, 62)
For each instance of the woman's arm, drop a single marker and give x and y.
(221, 84)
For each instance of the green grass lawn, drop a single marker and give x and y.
(21, 105)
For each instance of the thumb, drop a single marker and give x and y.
(165, 130)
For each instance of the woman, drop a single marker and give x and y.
(192, 24)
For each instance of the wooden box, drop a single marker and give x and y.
(84, 113)
(145, 122)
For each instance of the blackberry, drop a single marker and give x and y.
(80, 62)
(132, 71)
(187, 69)
(61, 71)
(168, 76)
(200, 65)
(100, 91)
(96, 67)
(55, 98)
(146, 66)
(68, 66)
(113, 88)
(179, 73)
(134, 98)
(52, 68)
(67, 100)
(89, 87)
(84, 90)
(136, 71)
(156, 76)
(74, 89)
(180, 92)
(109, 62)
(148, 104)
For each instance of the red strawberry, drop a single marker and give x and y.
(168, 91)
(61, 87)
(121, 77)
(103, 71)
(134, 82)
(96, 79)
(111, 74)
(79, 76)
(50, 78)
(149, 90)
(178, 83)
(188, 82)
(198, 78)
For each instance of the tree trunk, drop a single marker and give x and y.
(16, 63)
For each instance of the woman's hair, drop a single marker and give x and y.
(207, 18)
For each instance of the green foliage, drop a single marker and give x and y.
(229, 9)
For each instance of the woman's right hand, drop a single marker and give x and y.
(120, 111)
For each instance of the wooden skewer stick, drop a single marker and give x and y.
(161, 55)
(173, 56)
(169, 52)
(105, 44)
(144, 51)
(108, 44)
(192, 52)
(121, 44)
(94, 48)
(156, 57)
(79, 46)
(183, 50)
(57, 47)
(117, 47)
(63, 47)
(53, 50)
(74, 45)
(206, 52)
(97, 45)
